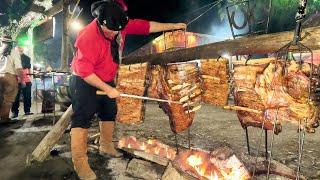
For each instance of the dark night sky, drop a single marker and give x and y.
(162, 11)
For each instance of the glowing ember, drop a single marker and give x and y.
(151, 146)
(143, 147)
(194, 160)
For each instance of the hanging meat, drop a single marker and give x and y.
(131, 80)
(279, 90)
(215, 77)
(180, 82)
(153, 78)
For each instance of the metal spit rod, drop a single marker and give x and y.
(140, 97)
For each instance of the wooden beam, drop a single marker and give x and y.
(261, 44)
(43, 149)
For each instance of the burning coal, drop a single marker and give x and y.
(212, 166)
(151, 146)
(217, 165)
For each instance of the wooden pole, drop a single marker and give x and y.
(43, 149)
(65, 37)
(261, 44)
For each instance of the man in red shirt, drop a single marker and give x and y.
(99, 46)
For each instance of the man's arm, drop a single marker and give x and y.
(159, 27)
(95, 81)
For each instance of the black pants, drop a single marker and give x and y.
(85, 104)
(26, 93)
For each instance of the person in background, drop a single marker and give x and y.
(10, 68)
(95, 64)
(24, 86)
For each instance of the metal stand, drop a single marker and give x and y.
(36, 95)
(266, 142)
(54, 100)
(176, 140)
(271, 145)
(189, 139)
(301, 136)
(258, 150)
(296, 46)
(247, 138)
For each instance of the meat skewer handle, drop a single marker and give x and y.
(140, 97)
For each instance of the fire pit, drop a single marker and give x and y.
(216, 165)
(223, 163)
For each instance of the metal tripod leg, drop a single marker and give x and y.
(247, 138)
(301, 136)
(266, 142)
(176, 140)
(258, 150)
(271, 144)
(189, 137)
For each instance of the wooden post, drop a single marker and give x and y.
(261, 44)
(43, 149)
(65, 37)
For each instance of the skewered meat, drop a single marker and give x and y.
(264, 86)
(178, 85)
(131, 80)
(215, 81)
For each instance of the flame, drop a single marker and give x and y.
(194, 160)
(150, 141)
(157, 150)
(121, 143)
(143, 147)
(213, 176)
(129, 146)
(200, 171)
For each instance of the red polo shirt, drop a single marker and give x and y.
(94, 51)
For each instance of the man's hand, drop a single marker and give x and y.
(95, 81)
(159, 27)
(180, 26)
(112, 93)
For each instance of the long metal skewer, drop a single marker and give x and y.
(140, 97)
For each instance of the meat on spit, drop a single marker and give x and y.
(215, 76)
(131, 80)
(280, 90)
(180, 83)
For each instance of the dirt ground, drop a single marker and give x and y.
(211, 125)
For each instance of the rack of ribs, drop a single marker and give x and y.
(180, 82)
(215, 76)
(131, 80)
